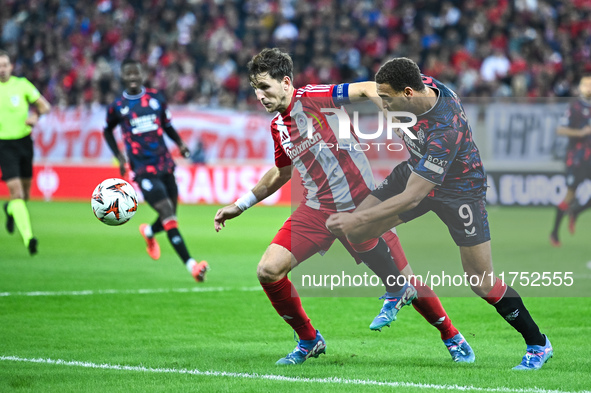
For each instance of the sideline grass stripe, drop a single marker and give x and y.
(130, 291)
(282, 378)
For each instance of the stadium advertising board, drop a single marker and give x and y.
(523, 132)
(531, 189)
(221, 184)
(75, 135)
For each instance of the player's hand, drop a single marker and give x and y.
(225, 213)
(185, 152)
(587, 130)
(32, 119)
(341, 224)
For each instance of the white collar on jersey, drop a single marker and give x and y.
(134, 97)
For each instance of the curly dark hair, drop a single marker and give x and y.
(272, 61)
(399, 73)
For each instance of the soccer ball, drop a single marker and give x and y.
(114, 201)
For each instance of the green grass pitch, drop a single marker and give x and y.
(223, 335)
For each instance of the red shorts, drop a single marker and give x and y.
(305, 234)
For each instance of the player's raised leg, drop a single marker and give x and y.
(272, 274)
(161, 193)
(477, 261)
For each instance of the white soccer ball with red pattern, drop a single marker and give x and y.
(114, 201)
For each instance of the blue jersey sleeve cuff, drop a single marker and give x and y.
(340, 94)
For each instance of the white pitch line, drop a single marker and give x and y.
(282, 378)
(130, 291)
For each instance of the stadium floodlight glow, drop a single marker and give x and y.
(344, 131)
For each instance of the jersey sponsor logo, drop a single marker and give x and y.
(412, 147)
(437, 161)
(302, 147)
(143, 124)
(15, 100)
(433, 167)
(154, 104)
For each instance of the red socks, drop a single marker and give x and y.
(365, 246)
(429, 306)
(169, 224)
(287, 303)
(497, 292)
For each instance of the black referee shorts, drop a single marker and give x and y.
(16, 158)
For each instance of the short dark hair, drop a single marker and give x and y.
(399, 73)
(4, 53)
(129, 61)
(272, 61)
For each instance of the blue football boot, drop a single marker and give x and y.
(536, 356)
(304, 350)
(459, 349)
(393, 302)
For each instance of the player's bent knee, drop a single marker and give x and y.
(274, 265)
(270, 272)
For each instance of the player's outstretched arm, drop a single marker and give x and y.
(361, 91)
(271, 181)
(574, 132)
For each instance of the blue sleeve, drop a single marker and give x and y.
(340, 94)
(442, 148)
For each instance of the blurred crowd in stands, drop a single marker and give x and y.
(196, 50)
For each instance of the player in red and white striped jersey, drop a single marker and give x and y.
(334, 180)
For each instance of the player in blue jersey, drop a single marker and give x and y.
(143, 117)
(444, 174)
(576, 125)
